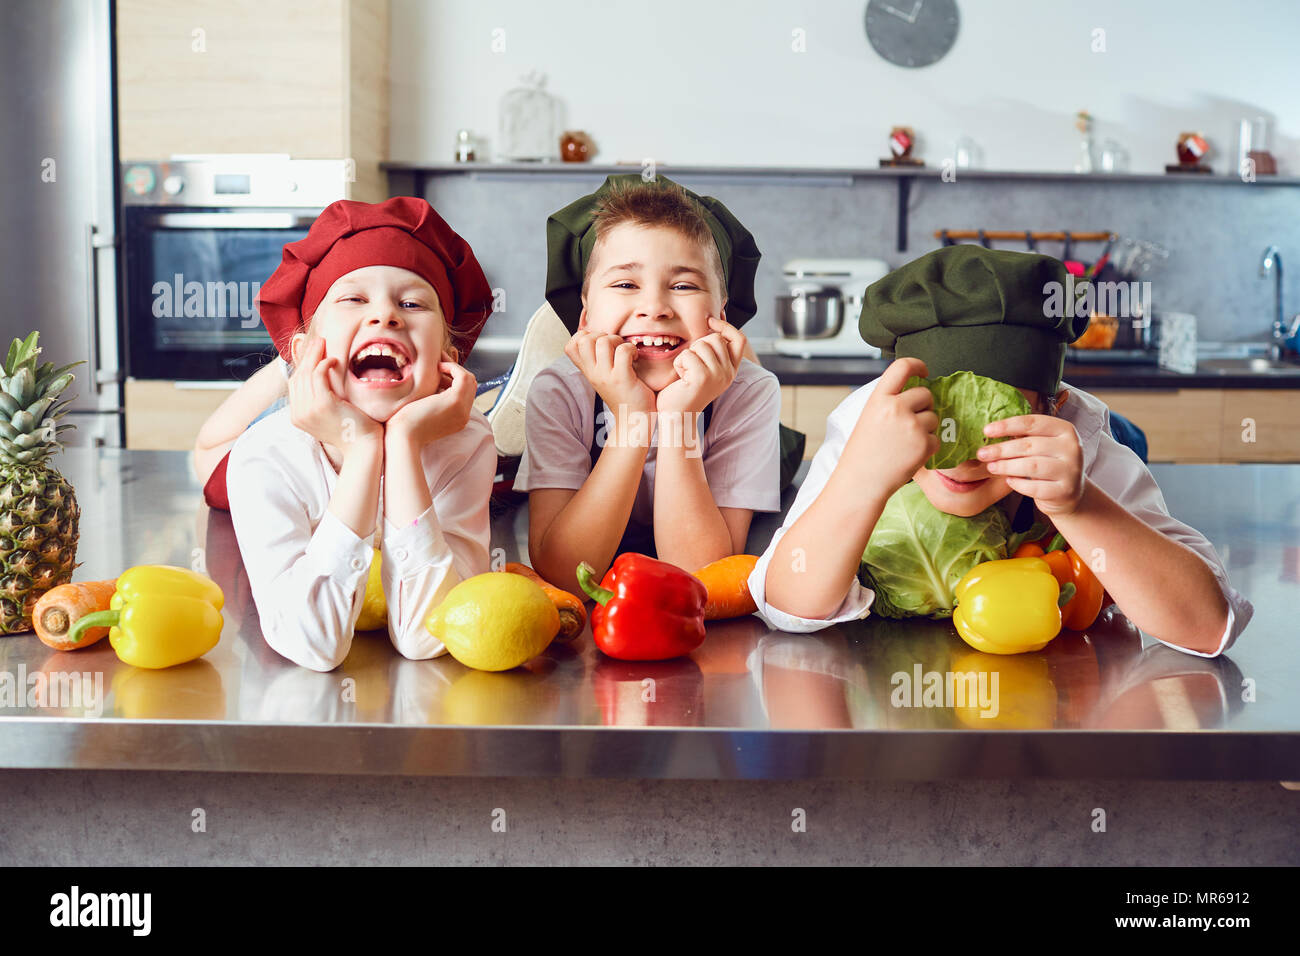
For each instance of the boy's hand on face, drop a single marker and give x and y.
(705, 369)
(895, 433)
(425, 420)
(1043, 460)
(609, 364)
(317, 406)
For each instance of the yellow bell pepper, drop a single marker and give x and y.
(159, 616)
(1010, 606)
(374, 607)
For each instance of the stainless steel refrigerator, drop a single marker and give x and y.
(58, 199)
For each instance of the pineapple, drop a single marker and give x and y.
(38, 509)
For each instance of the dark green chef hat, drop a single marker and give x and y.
(571, 236)
(996, 313)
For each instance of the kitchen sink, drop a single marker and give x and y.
(1247, 366)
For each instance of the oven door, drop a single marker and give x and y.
(192, 278)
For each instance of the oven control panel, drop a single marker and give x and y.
(236, 181)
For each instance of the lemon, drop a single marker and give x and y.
(374, 609)
(494, 621)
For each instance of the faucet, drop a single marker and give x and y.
(1272, 263)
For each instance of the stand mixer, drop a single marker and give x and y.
(819, 315)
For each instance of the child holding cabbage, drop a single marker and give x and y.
(999, 315)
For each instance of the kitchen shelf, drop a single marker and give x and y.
(420, 173)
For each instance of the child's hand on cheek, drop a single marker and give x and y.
(1043, 460)
(427, 419)
(609, 364)
(316, 404)
(705, 369)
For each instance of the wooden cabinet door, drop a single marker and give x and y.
(1261, 425)
(811, 406)
(167, 416)
(1181, 425)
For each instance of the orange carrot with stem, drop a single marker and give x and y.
(61, 607)
(727, 581)
(573, 614)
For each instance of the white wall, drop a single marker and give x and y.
(716, 81)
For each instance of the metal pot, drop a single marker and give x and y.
(810, 315)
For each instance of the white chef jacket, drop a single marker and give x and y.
(1112, 467)
(307, 570)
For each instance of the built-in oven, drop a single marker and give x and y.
(200, 235)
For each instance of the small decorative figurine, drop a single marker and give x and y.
(901, 141)
(1192, 148)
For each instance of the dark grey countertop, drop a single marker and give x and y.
(751, 703)
(853, 372)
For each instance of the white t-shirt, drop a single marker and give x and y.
(741, 447)
(1112, 467)
(307, 570)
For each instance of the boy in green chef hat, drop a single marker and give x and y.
(1001, 315)
(652, 433)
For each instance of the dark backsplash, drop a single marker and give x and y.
(1215, 233)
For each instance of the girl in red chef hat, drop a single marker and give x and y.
(372, 310)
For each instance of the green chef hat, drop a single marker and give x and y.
(571, 235)
(997, 313)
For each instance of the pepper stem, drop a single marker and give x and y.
(1056, 544)
(587, 581)
(1068, 590)
(95, 619)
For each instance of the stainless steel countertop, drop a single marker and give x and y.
(751, 703)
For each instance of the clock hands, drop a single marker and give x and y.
(909, 17)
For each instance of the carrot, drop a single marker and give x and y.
(61, 607)
(727, 581)
(573, 615)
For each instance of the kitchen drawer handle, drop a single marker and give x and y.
(234, 220)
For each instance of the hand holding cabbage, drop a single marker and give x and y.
(964, 403)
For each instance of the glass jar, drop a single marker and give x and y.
(528, 121)
(466, 147)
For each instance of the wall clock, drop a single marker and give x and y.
(912, 33)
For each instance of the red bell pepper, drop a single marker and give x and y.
(646, 610)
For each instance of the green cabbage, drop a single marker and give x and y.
(965, 403)
(917, 553)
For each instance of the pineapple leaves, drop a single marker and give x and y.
(22, 386)
(22, 353)
(31, 403)
(46, 379)
(56, 386)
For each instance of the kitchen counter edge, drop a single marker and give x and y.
(644, 753)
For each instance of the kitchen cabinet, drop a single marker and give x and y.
(309, 79)
(1181, 425)
(1260, 425)
(805, 408)
(1214, 425)
(166, 416)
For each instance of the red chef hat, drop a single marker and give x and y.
(404, 232)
